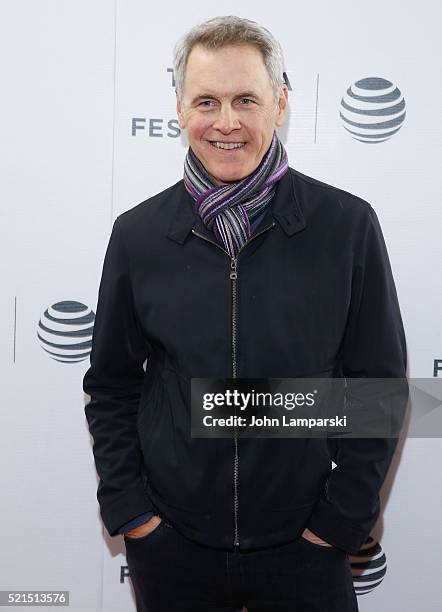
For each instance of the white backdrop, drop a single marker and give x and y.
(75, 77)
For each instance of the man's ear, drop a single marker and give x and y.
(179, 112)
(282, 105)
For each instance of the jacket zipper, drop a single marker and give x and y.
(233, 277)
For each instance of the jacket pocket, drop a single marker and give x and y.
(290, 472)
(180, 469)
(148, 415)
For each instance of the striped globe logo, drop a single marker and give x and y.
(368, 567)
(372, 110)
(65, 331)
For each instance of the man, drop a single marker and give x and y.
(245, 268)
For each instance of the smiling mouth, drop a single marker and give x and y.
(227, 146)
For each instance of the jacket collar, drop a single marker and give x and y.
(284, 208)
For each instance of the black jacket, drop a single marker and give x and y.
(313, 297)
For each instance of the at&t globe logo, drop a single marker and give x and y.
(65, 331)
(372, 110)
(368, 567)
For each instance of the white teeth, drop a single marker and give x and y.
(228, 145)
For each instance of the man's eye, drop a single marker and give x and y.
(246, 100)
(207, 103)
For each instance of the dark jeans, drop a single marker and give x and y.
(171, 573)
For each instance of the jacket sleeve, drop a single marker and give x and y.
(114, 382)
(373, 346)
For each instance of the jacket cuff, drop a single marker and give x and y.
(329, 525)
(128, 504)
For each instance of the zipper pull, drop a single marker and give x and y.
(233, 273)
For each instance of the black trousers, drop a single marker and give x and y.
(171, 573)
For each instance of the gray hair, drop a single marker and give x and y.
(229, 30)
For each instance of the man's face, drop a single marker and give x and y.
(228, 97)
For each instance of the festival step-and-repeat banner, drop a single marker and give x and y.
(89, 130)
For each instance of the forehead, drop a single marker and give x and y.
(226, 68)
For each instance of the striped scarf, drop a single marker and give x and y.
(228, 210)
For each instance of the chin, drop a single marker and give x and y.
(229, 176)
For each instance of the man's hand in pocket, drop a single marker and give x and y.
(312, 537)
(144, 528)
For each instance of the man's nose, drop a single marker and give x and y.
(227, 120)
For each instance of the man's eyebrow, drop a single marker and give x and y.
(205, 96)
